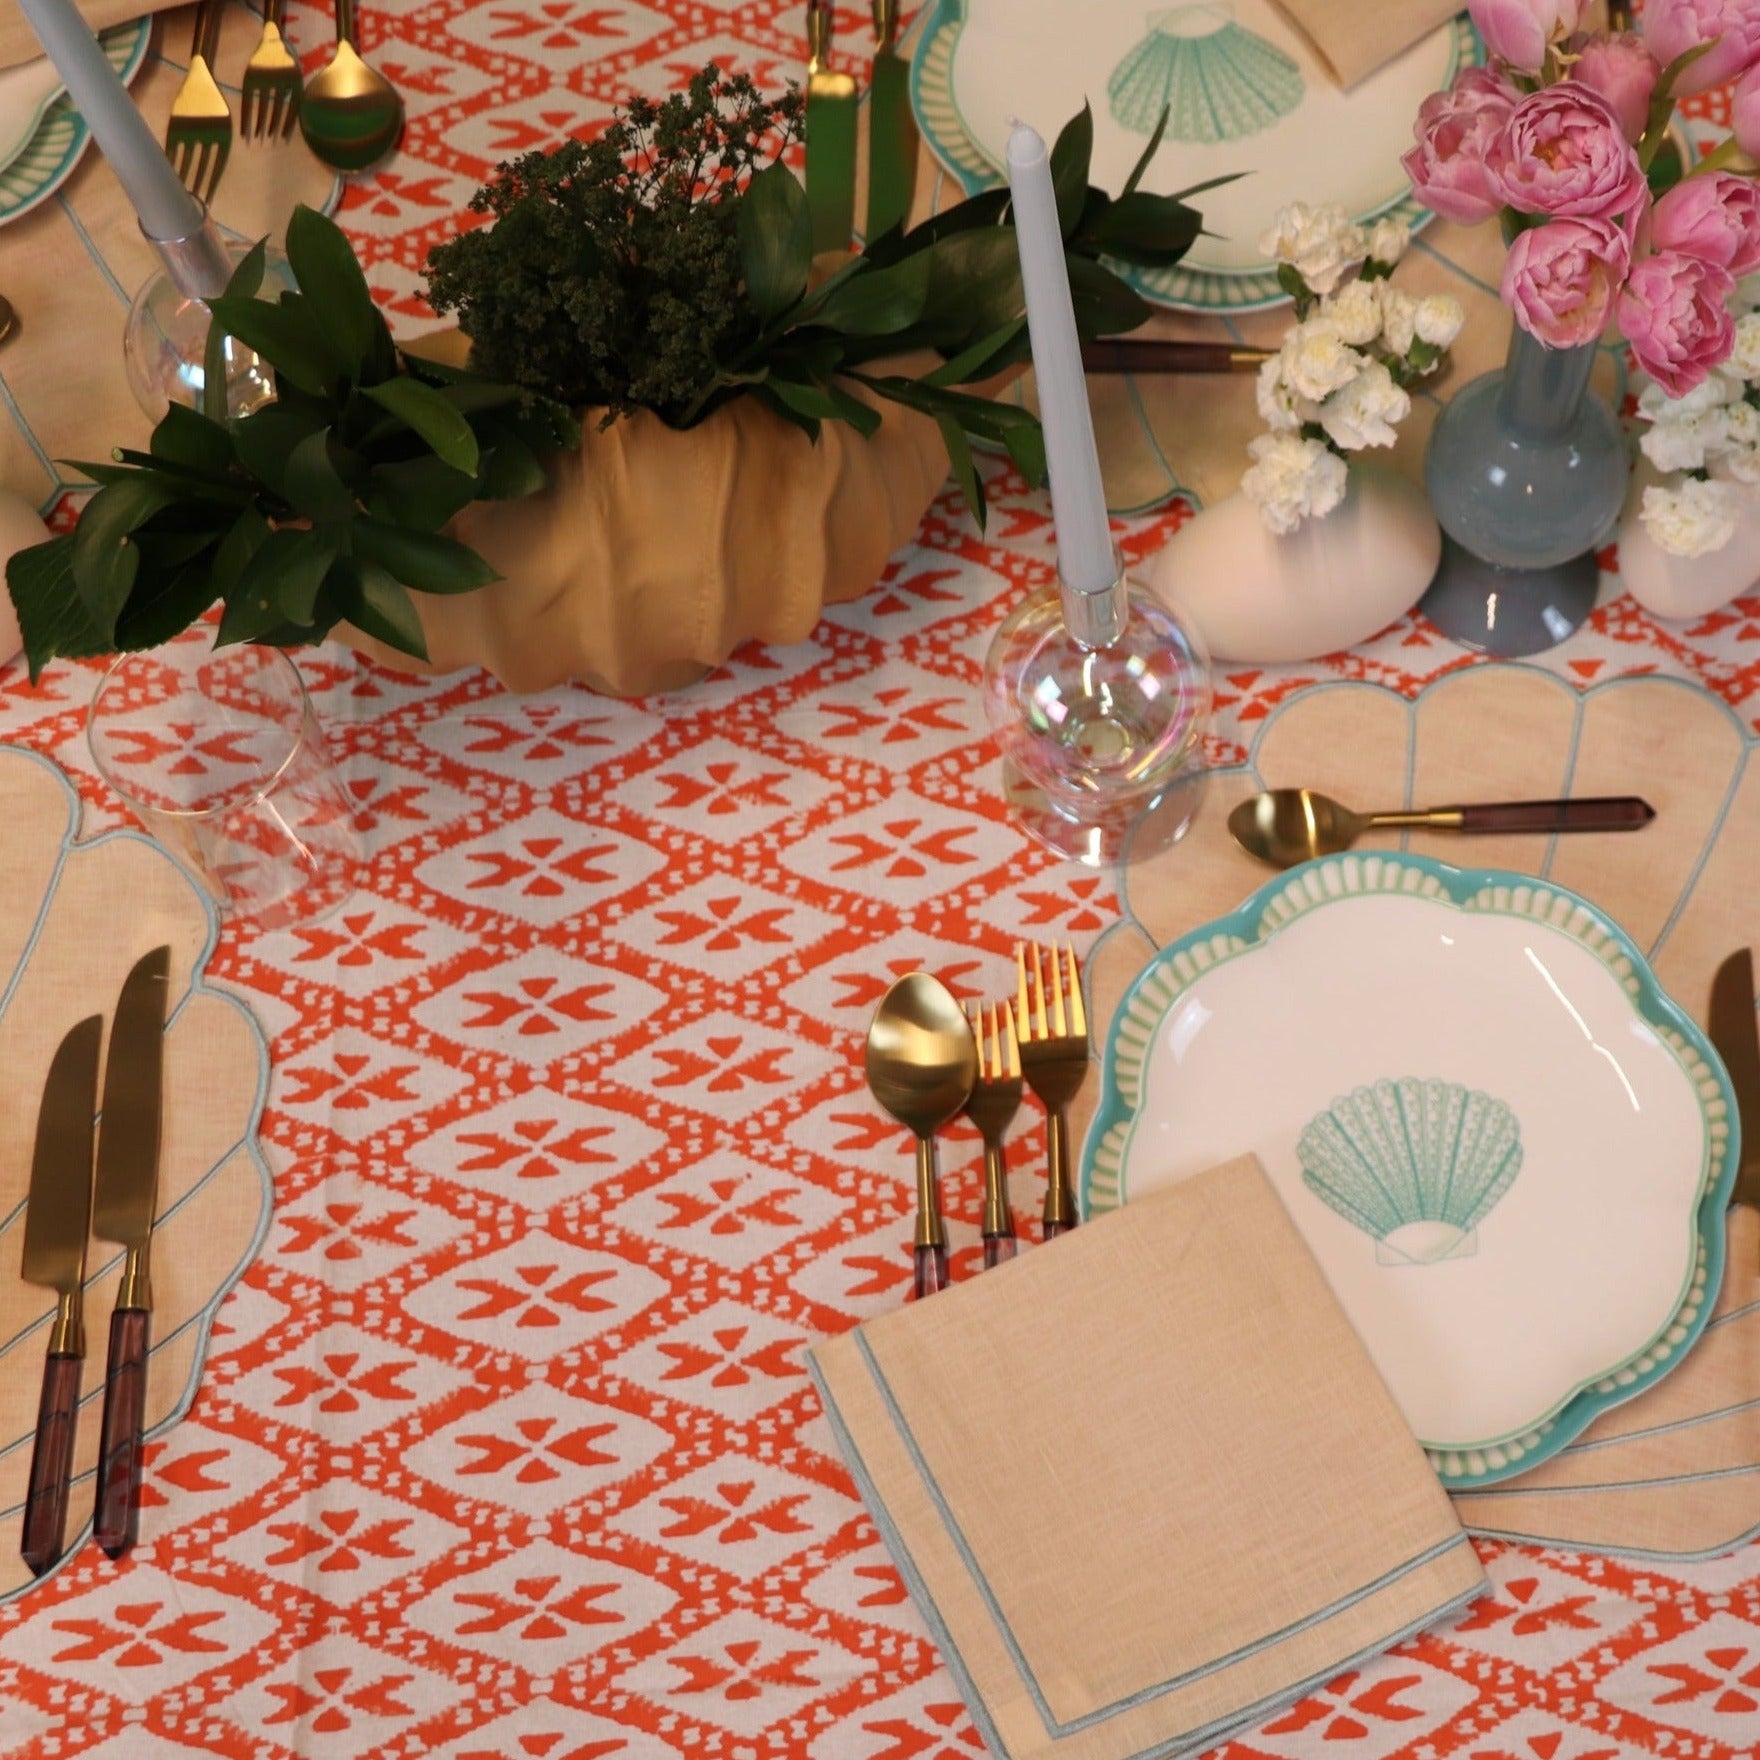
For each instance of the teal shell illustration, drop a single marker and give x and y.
(1416, 1164)
(1216, 80)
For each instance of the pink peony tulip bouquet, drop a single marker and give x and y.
(1558, 137)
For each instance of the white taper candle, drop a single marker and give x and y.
(1078, 502)
(167, 210)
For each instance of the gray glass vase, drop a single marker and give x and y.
(1526, 472)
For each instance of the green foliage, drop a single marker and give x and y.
(323, 505)
(668, 266)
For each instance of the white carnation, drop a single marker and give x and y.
(1316, 361)
(1741, 427)
(1745, 356)
(1321, 244)
(1277, 403)
(1365, 411)
(1292, 479)
(1677, 442)
(1354, 311)
(1692, 518)
(1741, 466)
(1399, 319)
(1712, 392)
(1388, 240)
(1438, 319)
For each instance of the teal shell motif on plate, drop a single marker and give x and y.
(1415, 1164)
(1216, 80)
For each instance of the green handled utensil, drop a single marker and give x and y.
(831, 138)
(892, 128)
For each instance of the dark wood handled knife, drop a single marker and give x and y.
(125, 1195)
(1734, 1033)
(57, 1220)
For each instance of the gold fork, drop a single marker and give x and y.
(199, 135)
(995, 1098)
(269, 107)
(1054, 1059)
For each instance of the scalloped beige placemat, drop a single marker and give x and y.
(76, 917)
(1681, 888)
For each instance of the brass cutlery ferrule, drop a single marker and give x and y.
(67, 1337)
(136, 1288)
(1060, 1203)
(818, 34)
(885, 24)
(998, 1218)
(931, 1231)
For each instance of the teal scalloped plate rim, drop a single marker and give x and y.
(202, 1320)
(1193, 290)
(48, 159)
(1256, 921)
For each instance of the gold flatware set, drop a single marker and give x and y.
(928, 1061)
(349, 115)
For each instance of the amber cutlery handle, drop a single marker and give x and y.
(1060, 1202)
(1623, 812)
(1143, 355)
(45, 1508)
(117, 1521)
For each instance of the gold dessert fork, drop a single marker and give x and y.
(198, 137)
(1054, 1059)
(272, 85)
(995, 1098)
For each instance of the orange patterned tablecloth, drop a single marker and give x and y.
(504, 1450)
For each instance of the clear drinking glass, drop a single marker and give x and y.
(219, 755)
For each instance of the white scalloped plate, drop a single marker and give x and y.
(1508, 1149)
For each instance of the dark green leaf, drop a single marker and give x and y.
(423, 492)
(981, 358)
(330, 276)
(311, 481)
(287, 336)
(163, 604)
(242, 540)
(424, 560)
(880, 303)
(775, 240)
(377, 606)
(766, 394)
(265, 440)
(511, 470)
(105, 556)
(1104, 305)
(185, 438)
(1070, 158)
(806, 400)
(1026, 447)
(863, 417)
(1147, 230)
(246, 281)
(965, 470)
(429, 414)
(974, 286)
(279, 585)
(982, 211)
(51, 615)
(1148, 154)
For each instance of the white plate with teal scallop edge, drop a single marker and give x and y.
(56, 145)
(1244, 93)
(1508, 1149)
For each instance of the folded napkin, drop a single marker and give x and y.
(1352, 39)
(18, 42)
(1673, 1473)
(1145, 1485)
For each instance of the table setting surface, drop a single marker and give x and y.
(518, 1213)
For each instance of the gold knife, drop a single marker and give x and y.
(56, 1222)
(831, 138)
(125, 1195)
(1733, 1032)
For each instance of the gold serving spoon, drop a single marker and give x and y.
(350, 115)
(1288, 825)
(922, 1061)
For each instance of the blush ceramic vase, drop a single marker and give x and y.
(1684, 587)
(1526, 472)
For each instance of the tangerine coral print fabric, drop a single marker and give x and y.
(504, 1448)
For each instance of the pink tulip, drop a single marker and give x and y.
(1732, 27)
(1455, 131)
(1674, 314)
(1620, 69)
(1714, 217)
(1744, 113)
(1561, 279)
(1563, 152)
(1518, 31)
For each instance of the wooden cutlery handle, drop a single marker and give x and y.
(117, 1521)
(1603, 813)
(45, 1509)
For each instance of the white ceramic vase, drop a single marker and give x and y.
(1259, 598)
(1669, 586)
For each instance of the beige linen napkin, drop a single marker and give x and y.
(18, 42)
(1353, 38)
(1145, 1485)
(1674, 1472)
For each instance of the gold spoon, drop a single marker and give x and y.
(921, 1061)
(1288, 825)
(350, 115)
